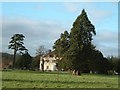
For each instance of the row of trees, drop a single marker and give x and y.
(114, 64)
(24, 60)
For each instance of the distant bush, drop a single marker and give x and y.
(110, 72)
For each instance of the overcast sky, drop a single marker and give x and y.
(43, 22)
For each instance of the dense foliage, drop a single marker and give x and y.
(24, 61)
(17, 44)
(77, 50)
(114, 64)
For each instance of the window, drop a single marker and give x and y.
(47, 67)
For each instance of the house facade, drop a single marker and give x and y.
(48, 62)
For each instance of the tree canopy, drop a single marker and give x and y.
(16, 43)
(76, 49)
(24, 62)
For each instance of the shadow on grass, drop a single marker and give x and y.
(37, 72)
(49, 81)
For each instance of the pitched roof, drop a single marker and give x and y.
(50, 54)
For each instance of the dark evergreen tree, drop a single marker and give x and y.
(60, 47)
(77, 50)
(17, 44)
(80, 42)
(62, 44)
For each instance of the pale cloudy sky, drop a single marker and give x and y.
(43, 22)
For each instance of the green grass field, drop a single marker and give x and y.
(34, 79)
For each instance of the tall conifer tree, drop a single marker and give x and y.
(81, 54)
(80, 38)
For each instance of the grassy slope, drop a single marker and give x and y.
(31, 79)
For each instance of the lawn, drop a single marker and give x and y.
(36, 79)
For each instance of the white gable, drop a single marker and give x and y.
(49, 63)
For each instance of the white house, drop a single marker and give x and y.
(48, 62)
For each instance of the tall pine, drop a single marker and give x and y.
(77, 51)
(60, 47)
(62, 44)
(80, 41)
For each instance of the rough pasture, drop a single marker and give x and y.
(34, 79)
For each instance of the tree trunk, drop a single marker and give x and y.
(14, 59)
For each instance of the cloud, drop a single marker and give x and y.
(107, 42)
(46, 32)
(94, 13)
(76, 7)
(99, 15)
(71, 7)
(108, 50)
(107, 36)
(36, 33)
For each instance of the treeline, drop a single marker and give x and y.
(27, 62)
(6, 61)
(23, 61)
(113, 64)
